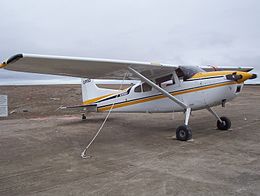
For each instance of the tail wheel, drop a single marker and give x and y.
(225, 124)
(83, 117)
(183, 133)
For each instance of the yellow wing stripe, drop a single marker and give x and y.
(162, 96)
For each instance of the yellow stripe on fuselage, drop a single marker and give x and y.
(156, 97)
(211, 74)
(89, 101)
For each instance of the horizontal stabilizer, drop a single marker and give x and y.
(88, 108)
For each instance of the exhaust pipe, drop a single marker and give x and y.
(234, 77)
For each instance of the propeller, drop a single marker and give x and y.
(240, 76)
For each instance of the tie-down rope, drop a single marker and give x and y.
(84, 153)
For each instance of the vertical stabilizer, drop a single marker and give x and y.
(92, 93)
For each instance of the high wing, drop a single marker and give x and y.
(92, 67)
(84, 67)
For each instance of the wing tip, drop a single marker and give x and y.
(246, 69)
(249, 69)
(14, 58)
(226, 68)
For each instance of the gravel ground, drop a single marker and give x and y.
(135, 154)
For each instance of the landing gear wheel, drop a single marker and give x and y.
(225, 124)
(83, 117)
(183, 133)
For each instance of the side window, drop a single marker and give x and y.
(179, 73)
(144, 87)
(168, 79)
(138, 89)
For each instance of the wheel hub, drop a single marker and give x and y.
(182, 133)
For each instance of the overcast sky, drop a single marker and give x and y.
(201, 32)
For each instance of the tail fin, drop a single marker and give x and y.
(92, 93)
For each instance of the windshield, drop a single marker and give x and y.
(188, 71)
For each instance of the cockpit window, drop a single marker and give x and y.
(187, 72)
(143, 88)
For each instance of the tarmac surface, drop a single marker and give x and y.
(135, 154)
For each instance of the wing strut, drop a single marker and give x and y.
(164, 92)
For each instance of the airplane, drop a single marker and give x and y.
(160, 88)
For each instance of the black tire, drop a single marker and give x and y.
(183, 133)
(83, 117)
(225, 125)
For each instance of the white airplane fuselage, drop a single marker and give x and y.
(197, 94)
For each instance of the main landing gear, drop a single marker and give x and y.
(184, 133)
